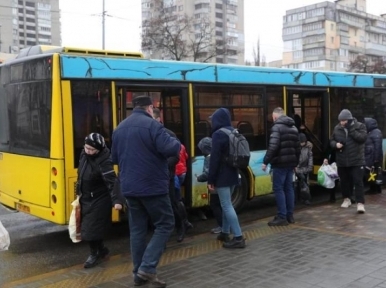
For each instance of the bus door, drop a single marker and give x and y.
(171, 99)
(310, 110)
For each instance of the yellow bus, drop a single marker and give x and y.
(52, 97)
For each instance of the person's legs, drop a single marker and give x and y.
(230, 220)
(279, 176)
(357, 176)
(161, 214)
(346, 184)
(289, 193)
(138, 223)
(214, 202)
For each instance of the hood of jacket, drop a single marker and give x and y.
(205, 145)
(221, 118)
(371, 124)
(288, 121)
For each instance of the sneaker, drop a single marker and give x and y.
(139, 281)
(346, 203)
(216, 230)
(277, 221)
(152, 278)
(234, 243)
(224, 237)
(360, 208)
(291, 219)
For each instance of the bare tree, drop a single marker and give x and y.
(256, 53)
(180, 37)
(361, 64)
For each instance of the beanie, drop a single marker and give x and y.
(345, 114)
(95, 140)
(302, 138)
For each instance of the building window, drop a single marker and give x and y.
(181, 8)
(218, 33)
(219, 24)
(218, 6)
(30, 4)
(332, 27)
(219, 60)
(219, 15)
(332, 40)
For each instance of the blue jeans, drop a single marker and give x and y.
(229, 216)
(159, 210)
(284, 191)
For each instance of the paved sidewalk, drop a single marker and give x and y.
(328, 247)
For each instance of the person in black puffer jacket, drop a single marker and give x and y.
(283, 155)
(373, 151)
(95, 186)
(348, 141)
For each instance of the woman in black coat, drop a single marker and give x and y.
(95, 186)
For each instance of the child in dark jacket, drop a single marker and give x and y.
(305, 166)
(205, 145)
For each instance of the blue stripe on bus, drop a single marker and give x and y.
(113, 68)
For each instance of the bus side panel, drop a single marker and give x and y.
(263, 182)
(25, 178)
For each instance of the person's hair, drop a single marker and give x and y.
(156, 113)
(278, 110)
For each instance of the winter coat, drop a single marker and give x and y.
(353, 138)
(95, 185)
(284, 145)
(306, 161)
(141, 147)
(181, 165)
(221, 174)
(373, 144)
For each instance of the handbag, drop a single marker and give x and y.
(5, 241)
(75, 221)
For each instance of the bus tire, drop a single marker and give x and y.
(240, 193)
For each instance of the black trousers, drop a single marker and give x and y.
(351, 178)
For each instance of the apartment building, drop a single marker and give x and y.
(26, 23)
(226, 16)
(328, 35)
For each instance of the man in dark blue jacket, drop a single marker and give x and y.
(141, 147)
(283, 154)
(223, 178)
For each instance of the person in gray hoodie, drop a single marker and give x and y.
(205, 145)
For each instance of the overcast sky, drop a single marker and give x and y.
(82, 23)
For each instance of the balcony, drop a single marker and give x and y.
(201, 2)
(320, 44)
(375, 49)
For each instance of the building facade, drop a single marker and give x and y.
(29, 23)
(328, 35)
(226, 16)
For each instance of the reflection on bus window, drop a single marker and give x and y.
(29, 118)
(91, 109)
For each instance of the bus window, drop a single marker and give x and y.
(246, 105)
(91, 110)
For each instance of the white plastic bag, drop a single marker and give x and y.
(327, 175)
(5, 241)
(74, 222)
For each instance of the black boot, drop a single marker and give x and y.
(184, 216)
(93, 258)
(103, 251)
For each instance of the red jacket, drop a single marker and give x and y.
(181, 165)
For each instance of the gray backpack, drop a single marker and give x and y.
(239, 153)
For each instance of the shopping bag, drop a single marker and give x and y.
(5, 241)
(74, 222)
(327, 176)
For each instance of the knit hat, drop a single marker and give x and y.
(142, 101)
(345, 114)
(302, 138)
(95, 140)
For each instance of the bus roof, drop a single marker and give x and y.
(160, 70)
(47, 49)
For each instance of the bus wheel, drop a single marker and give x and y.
(239, 196)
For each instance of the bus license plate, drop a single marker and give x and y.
(22, 208)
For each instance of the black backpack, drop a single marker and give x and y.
(239, 153)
